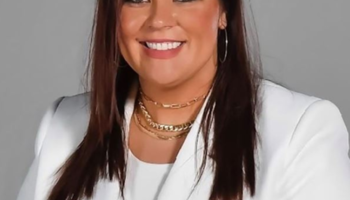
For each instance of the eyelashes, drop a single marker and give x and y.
(136, 1)
(148, 1)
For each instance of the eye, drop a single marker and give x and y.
(136, 1)
(183, 1)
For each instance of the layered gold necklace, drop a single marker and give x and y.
(158, 130)
(173, 106)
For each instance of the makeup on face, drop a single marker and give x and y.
(170, 41)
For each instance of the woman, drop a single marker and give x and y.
(178, 111)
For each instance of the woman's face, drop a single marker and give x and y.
(169, 42)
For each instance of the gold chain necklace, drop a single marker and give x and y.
(163, 127)
(172, 106)
(144, 129)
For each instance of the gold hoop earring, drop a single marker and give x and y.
(226, 44)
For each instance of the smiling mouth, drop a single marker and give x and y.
(162, 46)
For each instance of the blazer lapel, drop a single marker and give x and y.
(182, 176)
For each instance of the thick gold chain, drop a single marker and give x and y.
(172, 106)
(144, 129)
(163, 127)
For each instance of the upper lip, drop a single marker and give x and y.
(160, 40)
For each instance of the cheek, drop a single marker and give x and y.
(205, 20)
(201, 23)
(130, 24)
(130, 21)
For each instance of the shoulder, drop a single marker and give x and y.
(277, 95)
(285, 106)
(289, 120)
(64, 123)
(61, 130)
(74, 103)
(283, 111)
(304, 138)
(288, 107)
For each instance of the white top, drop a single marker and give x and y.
(302, 152)
(146, 179)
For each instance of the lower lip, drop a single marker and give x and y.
(162, 54)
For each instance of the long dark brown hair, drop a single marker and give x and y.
(101, 154)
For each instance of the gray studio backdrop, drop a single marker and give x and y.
(305, 45)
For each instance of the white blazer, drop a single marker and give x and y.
(303, 153)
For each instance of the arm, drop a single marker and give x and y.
(317, 166)
(27, 191)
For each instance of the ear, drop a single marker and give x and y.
(222, 20)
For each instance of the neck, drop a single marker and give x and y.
(177, 94)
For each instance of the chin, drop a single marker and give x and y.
(163, 73)
(164, 79)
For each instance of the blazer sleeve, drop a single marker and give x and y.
(317, 164)
(27, 190)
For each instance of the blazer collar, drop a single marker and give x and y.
(177, 185)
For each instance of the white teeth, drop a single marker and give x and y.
(163, 46)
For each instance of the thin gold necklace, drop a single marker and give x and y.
(144, 129)
(175, 105)
(163, 127)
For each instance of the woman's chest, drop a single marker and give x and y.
(177, 184)
(168, 191)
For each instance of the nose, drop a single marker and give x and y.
(162, 14)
